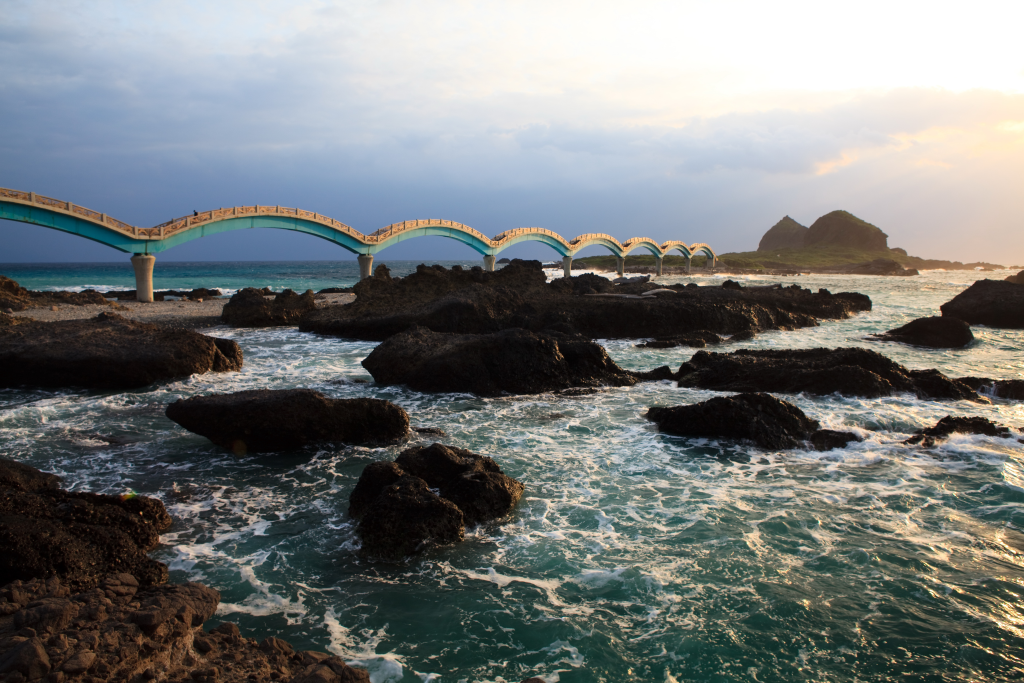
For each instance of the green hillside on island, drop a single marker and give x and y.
(836, 240)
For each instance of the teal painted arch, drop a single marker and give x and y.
(648, 244)
(613, 247)
(700, 247)
(294, 224)
(535, 237)
(456, 234)
(681, 248)
(37, 215)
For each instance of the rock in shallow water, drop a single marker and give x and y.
(846, 371)
(957, 425)
(252, 308)
(428, 496)
(1012, 389)
(513, 361)
(276, 420)
(935, 332)
(107, 352)
(995, 303)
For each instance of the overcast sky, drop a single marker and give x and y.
(674, 120)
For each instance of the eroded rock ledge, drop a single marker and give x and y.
(106, 352)
(80, 601)
(518, 296)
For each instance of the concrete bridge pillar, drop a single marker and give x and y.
(620, 265)
(687, 265)
(567, 266)
(365, 265)
(713, 261)
(489, 263)
(658, 261)
(143, 265)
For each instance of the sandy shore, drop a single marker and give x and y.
(192, 315)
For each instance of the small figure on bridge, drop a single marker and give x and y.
(194, 212)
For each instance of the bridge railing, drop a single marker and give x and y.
(71, 208)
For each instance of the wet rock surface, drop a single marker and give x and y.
(107, 352)
(696, 340)
(251, 307)
(14, 297)
(846, 371)
(761, 418)
(1017, 279)
(956, 425)
(427, 496)
(996, 303)
(78, 537)
(1012, 389)
(518, 296)
(81, 601)
(513, 361)
(935, 332)
(275, 420)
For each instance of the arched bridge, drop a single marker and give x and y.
(29, 207)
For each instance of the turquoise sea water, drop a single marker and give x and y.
(633, 556)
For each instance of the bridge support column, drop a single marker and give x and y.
(567, 266)
(658, 261)
(620, 265)
(143, 265)
(365, 265)
(687, 265)
(714, 262)
(489, 263)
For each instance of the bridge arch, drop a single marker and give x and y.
(676, 245)
(399, 232)
(581, 242)
(642, 243)
(552, 239)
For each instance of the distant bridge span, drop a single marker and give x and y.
(29, 207)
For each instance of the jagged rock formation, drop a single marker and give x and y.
(1017, 279)
(478, 302)
(935, 332)
(400, 512)
(276, 420)
(846, 371)
(1012, 389)
(107, 352)
(80, 601)
(14, 297)
(956, 425)
(513, 361)
(250, 307)
(786, 234)
(767, 421)
(843, 229)
(995, 303)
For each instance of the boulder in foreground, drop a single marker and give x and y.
(513, 361)
(956, 425)
(251, 307)
(846, 371)
(761, 418)
(79, 537)
(996, 303)
(935, 332)
(262, 420)
(107, 352)
(427, 497)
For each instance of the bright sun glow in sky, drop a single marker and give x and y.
(712, 118)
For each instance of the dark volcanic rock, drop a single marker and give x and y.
(79, 537)
(251, 308)
(401, 511)
(829, 439)
(1017, 279)
(995, 303)
(275, 420)
(957, 425)
(514, 361)
(881, 266)
(121, 632)
(934, 332)
(518, 296)
(406, 517)
(697, 340)
(107, 352)
(847, 371)
(17, 298)
(1012, 389)
(761, 418)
